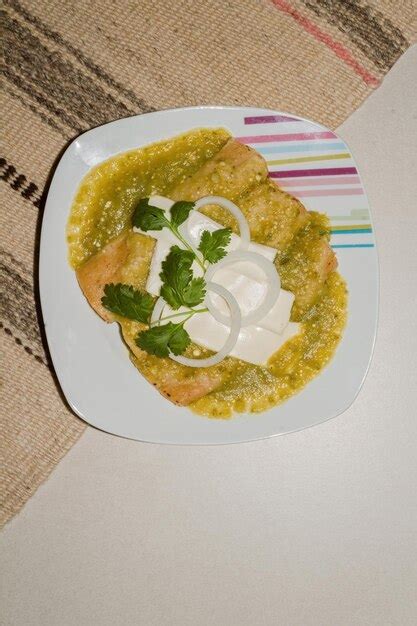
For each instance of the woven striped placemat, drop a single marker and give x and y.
(71, 65)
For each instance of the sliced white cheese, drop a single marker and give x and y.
(255, 344)
(161, 202)
(196, 223)
(250, 294)
(278, 317)
(166, 239)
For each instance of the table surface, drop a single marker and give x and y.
(314, 528)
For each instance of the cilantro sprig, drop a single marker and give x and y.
(161, 340)
(128, 302)
(180, 288)
(148, 217)
(213, 245)
(180, 211)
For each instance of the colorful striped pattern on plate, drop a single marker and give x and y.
(287, 144)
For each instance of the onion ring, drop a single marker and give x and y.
(230, 206)
(272, 276)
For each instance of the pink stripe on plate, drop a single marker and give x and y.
(287, 137)
(305, 193)
(322, 171)
(315, 182)
(269, 119)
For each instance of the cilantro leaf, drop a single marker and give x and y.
(148, 217)
(179, 341)
(179, 288)
(128, 302)
(195, 292)
(161, 340)
(180, 211)
(212, 245)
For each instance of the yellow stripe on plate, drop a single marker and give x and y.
(323, 157)
(352, 227)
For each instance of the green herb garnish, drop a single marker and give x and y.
(161, 340)
(148, 217)
(213, 245)
(128, 302)
(180, 211)
(179, 287)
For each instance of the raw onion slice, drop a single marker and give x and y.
(161, 202)
(273, 286)
(230, 343)
(160, 304)
(230, 206)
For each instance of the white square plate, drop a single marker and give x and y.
(91, 362)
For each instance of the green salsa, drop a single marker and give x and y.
(105, 199)
(102, 209)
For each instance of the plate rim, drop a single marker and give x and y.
(41, 280)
